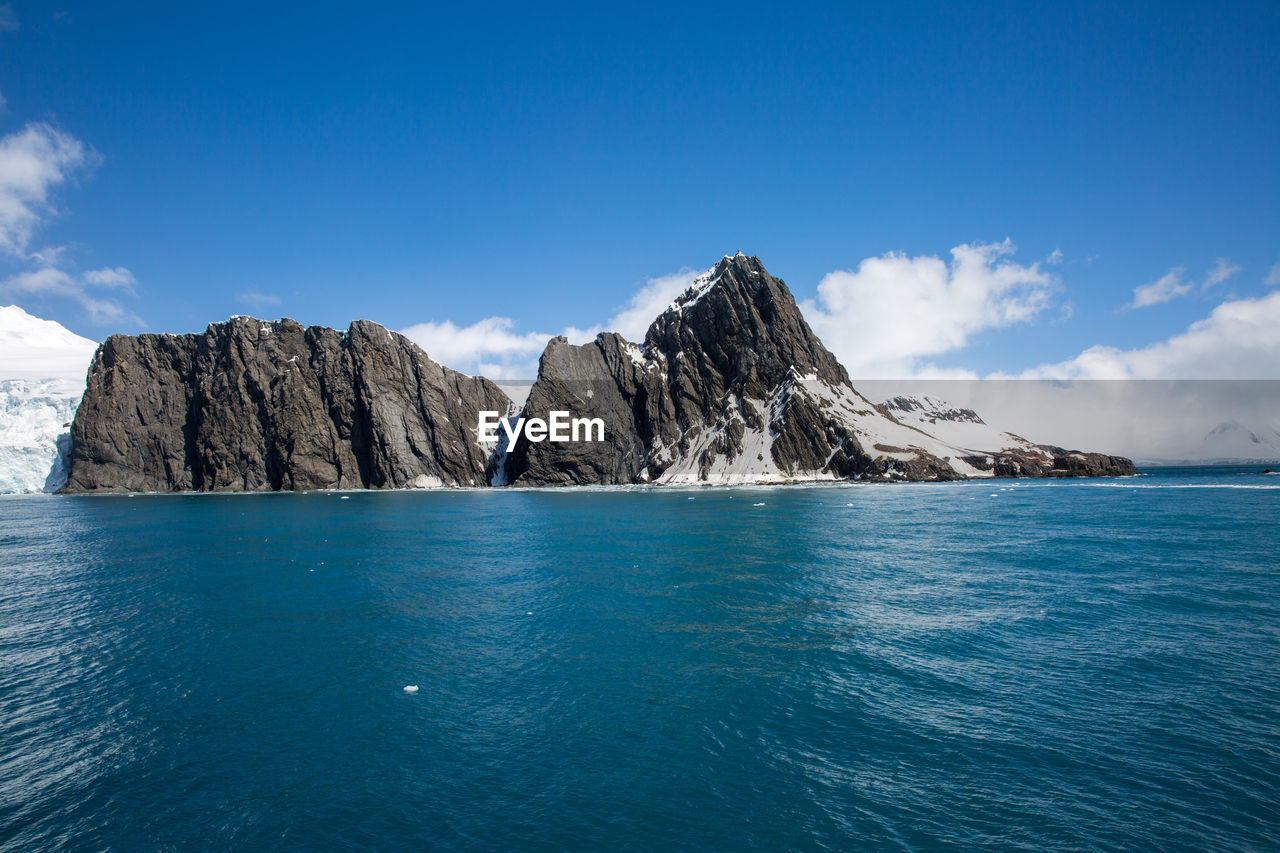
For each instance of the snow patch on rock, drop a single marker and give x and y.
(956, 426)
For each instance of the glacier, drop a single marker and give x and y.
(35, 435)
(42, 377)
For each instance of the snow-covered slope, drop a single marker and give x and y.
(953, 425)
(1234, 440)
(42, 374)
(917, 425)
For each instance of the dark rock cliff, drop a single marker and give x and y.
(606, 379)
(255, 406)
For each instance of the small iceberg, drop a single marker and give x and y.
(411, 688)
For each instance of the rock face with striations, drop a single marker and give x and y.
(255, 406)
(732, 386)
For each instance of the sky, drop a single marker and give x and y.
(949, 190)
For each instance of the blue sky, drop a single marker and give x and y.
(429, 164)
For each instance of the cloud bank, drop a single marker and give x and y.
(488, 347)
(1238, 340)
(887, 317)
(883, 319)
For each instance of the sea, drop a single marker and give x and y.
(1003, 665)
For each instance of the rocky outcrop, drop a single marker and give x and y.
(256, 406)
(732, 386)
(729, 386)
(1061, 462)
(606, 379)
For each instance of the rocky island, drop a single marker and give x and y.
(730, 385)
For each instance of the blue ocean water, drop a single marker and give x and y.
(1012, 665)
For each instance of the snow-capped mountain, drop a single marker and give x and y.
(42, 372)
(1234, 440)
(732, 386)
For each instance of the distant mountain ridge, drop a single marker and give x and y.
(729, 386)
(1230, 442)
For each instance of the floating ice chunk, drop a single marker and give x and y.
(759, 504)
(411, 688)
(345, 498)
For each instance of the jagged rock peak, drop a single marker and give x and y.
(733, 386)
(741, 327)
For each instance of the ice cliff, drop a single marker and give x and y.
(42, 370)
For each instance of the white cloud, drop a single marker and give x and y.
(884, 318)
(1222, 270)
(4, 102)
(488, 347)
(8, 19)
(1171, 285)
(1273, 276)
(1167, 287)
(1237, 340)
(107, 311)
(111, 277)
(54, 281)
(491, 347)
(261, 300)
(1055, 257)
(33, 161)
(45, 280)
(633, 321)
